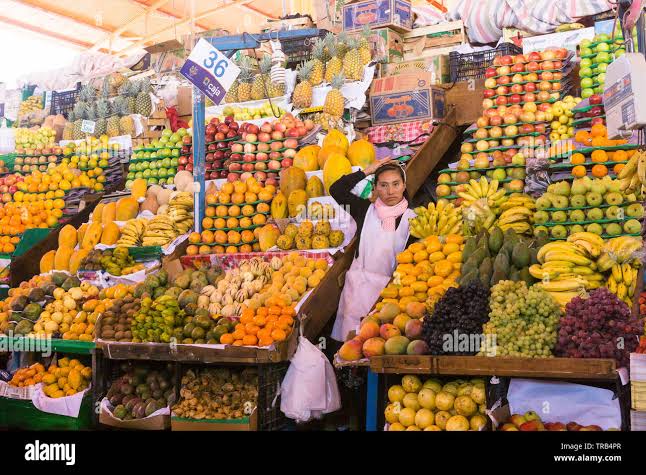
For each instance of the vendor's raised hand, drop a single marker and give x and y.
(374, 166)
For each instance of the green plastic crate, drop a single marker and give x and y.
(21, 414)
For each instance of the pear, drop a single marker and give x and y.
(635, 210)
(593, 198)
(613, 186)
(541, 217)
(577, 201)
(559, 201)
(559, 217)
(614, 229)
(559, 232)
(631, 197)
(544, 201)
(563, 188)
(578, 188)
(614, 198)
(594, 228)
(598, 186)
(587, 182)
(632, 226)
(576, 216)
(576, 228)
(612, 212)
(595, 214)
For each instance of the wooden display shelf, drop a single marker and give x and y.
(549, 368)
(430, 153)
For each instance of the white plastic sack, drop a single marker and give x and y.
(556, 401)
(309, 388)
(64, 406)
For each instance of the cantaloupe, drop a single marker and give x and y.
(183, 181)
(335, 167)
(67, 236)
(47, 261)
(109, 213)
(149, 204)
(126, 208)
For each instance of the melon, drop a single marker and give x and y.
(361, 153)
(184, 181)
(335, 167)
(336, 138)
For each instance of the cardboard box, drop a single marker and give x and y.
(438, 66)
(160, 422)
(386, 42)
(405, 98)
(239, 425)
(184, 100)
(566, 39)
(396, 14)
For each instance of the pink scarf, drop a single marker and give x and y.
(389, 214)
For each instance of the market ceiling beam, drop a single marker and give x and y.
(260, 12)
(116, 33)
(200, 16)
(48, 33)
(170, 13)
(50, 9)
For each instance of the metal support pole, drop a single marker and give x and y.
(199, 152)
(371, 401)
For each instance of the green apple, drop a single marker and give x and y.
(162, 140)
(586, 52)
(154, 172)
(586, 63)
(604, 57)
(585, 43)
(576, 228)
(632, 226)
(175, 153)
(174, 138)
(139, 175)
(181, 132)
(613, 229)
(585, 93)
(594, 228)
(601, 68)
(593, 198)
(165, 162)
(601, 78)
(162, 173)
(559, 217)
(578, 188)
(576, 216)
(172, 172)
(559, 232)
(174, 162)
(585, 72)
(146, 174)
(602, 47)
(145, 165)
(129, 184)
(594, 214)
(152, 181)
(586, 83)
(166, 132)
(130, 176)
(162, 181)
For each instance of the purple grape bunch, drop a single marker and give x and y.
(600, 326)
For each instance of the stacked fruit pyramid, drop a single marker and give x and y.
(219, 136)
(159, 161)
(93, 154)
(598, 206)
(233, 217)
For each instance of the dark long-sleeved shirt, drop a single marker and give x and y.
(341, 191)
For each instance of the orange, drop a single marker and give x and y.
(238, 343)
(217, 250)
(192, 250)
(208, 237)
(247, 210)
(224, 199)
(219, 223)
(231, 250)
(250, 340)
(207, 223)
(618, 167)
(245, 249)
(262, 311)
(250, 197)
(220, 237)
(263, 333)
(598, 130)
(435, 281)
(227, 188)
(259, 219)
(194, 238)
(204, 249)
(211, 199)
(210, 211)
(238, 334)
(234, 211)
(245, 223)
(288, 311)
(233, 237)
(226, 339)
(240, 187)
(251, 329)
(232, 223)
(247, 236)
(599, 171)
(8, 248)
(579, 171)
(262, 208)
(240, 327)
(237, 198)
(278, 335)
(221, 211)
(582, 136)
(577, 159)
(599, 156)
(620, 156)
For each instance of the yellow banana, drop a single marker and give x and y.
(484, 186)
(475, 185)
(558, 264)
(583, 270)
(622, 291)
(592, 238)
(572, 257)
(629, 169)
(616, 273)
(627, 273)
(556, 246)
(612, 285)
(563, 285)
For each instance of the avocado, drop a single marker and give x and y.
(486, 269)
(183, 281)
(70, 282)
(58, 278)
(36, 295)
(19, 303)
(49, 288)
(198, 333)
(213, 275)
(130, 405)
(186, 297)
(526, 276)
(190, 308)
(173, 292)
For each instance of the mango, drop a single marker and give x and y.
(351, 350)
(397, 345)
(374, 347)
(369, 329)
(279, 206)
(314, 187)
(296, 202)
(388, 330)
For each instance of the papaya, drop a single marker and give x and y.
(325, 152)
(98, 212)
(279, 206)
(81, 232)
(307, 158)
(47, 262)
(110, 234)
(292, 178)
(67, 236)
(296, 202)
(92, 236)
(361, 153)
(336, 138)
(335, 167)
(139, 187)
(109, 213)
(267, 237)
(126, 208)
(62, 258)
(314, 187)
(76, 259)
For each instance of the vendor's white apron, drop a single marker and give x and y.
(370, 272)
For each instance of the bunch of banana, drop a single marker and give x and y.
(623, 281)
(519, 199)
(476, 190)
(569, 27)
(592, 243)
(436, 220)
(180, 211)
(159, 231)
(633, 175)
(517, 218)
(132, 232)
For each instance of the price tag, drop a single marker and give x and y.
(210, 70)
(87, 126)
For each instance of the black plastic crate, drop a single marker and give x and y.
(63, 102)
(270, 377)
(472, 65)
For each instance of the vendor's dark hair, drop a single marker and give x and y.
(402, 174)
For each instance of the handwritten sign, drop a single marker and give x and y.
(210, 70)
(87, 126)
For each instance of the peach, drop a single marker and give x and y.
(388, 330)
(415, 309)
(374, 347)
(351, 350)
(413, 329)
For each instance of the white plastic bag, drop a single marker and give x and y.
(309, 388)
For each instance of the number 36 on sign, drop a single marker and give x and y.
(210, 70)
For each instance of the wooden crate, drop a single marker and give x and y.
(434, 40)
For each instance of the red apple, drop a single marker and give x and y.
(223, 128)
(275, 155)
(260, 176)
(264, 137)
(547, 76)
(503, 80)
(548, 54)
(532, 66)
(595, 99)
(279, 127)
(482, 121)
(490, 72)
(249, 157)
(526, 129)
(286, 163)
(517, 78)
(540, 128)
(260, 166)
(529, 87)
(533, 77)
(515, 98)
(273, 165)
(547, 65)
(502, 90)
(503, 70)
(543, 96)
(509, 119)
(544, 107)
(253, 129)
(506, 60)
(262, 156)
(495, 120)
(527, 117)
(289, 153)
(597, 120)
(291, 143)
(534, 56)
(544, 86)
(558, 64)
(501, 100)
(519, 59)
(231, 177)
(488, 93)
(264, 147)
(249, 148)
(516, 89)
(489, 112)
(246, 167)
(518, 68)
(529, 97)
(266, 128)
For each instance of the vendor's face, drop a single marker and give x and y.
(390, 187)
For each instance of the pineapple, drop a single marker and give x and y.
(245, 79)
(334, 65)
(232, 94)
(115, 82)
(364, 45)
(112, 125)
(87, 94)
(79, 112)
(318, 55)
(334, 101)
(259, 86)
(68, 131)
(342, 44)
(302, 96)
(143, 103)
(102, 112)
(126, 91)
(352, 65)
(126, 123)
